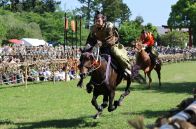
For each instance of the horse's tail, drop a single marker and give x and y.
(140, 79)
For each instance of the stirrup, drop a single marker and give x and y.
(157, 61)
(128, 71)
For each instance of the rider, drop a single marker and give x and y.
(147, 39)
(105, 34)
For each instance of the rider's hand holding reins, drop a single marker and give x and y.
(99, 43)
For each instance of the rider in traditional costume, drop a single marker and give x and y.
(147, 39)
(106, 35)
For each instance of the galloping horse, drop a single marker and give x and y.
(104, 79)
(144, 62)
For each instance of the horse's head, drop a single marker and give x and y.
(87, 63)
(138, 46)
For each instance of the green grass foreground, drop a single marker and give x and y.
(63, 105)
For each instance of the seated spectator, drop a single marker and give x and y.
(72, 73)
(47, 74)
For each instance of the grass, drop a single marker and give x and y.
(63, 105)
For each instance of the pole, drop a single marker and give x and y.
(76, 35)
(190, 37)
(80, 31)
(65, 31)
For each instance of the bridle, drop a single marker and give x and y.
(94, 65)
(138, 50)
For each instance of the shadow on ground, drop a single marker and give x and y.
(147, 113)
(62, 123)
(183, 87)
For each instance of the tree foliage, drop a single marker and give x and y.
(174, 38)
(12, 27)
(122, 12)
(129, 31)
(88, 9)
(48, 26)
(38, 6)
(149, 27)
(183, 14)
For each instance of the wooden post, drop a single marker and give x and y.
(80, 31)
(76, 25)
(54, 72)
(26, 76)
(190, 37)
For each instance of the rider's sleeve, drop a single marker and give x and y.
(110, 35)
(91, 40)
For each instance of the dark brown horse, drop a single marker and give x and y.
(104, 80)
(143, 60)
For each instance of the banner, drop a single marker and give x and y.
(73, 27)
(66, 24)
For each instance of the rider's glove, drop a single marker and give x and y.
(145, 46)
(99, 43)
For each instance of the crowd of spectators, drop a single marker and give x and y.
(18, 54)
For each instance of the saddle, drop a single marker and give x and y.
(153, 57)
(114, 64)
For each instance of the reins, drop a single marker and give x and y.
(93, 67)
(106, 80)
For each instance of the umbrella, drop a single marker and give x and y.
(15, 41)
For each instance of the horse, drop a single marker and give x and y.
(104, 79)
(145, 63)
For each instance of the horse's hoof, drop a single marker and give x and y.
(89, 89)
(116, 103)
(100, 108)
(97, 115)
(120, 103)
(79, 85)
(111, 109)
(148, 87)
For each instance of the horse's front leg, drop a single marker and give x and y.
(105, 101)
(111, 98)
(95, 104)
(102, 106)
(80, 83)
(89, 87)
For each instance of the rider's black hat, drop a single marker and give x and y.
(98, 15)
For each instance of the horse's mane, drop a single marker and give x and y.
(138, 45)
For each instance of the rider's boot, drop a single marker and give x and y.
(153, 58)
(155, 55)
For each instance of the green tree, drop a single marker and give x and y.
(39, 6)
(122, 12)
(14, 27)
(125, 13)
(174, 38)
(51, 24)
(88, 9)
(183, 14)
(139, 20)
(149, 27)
(129, 31)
